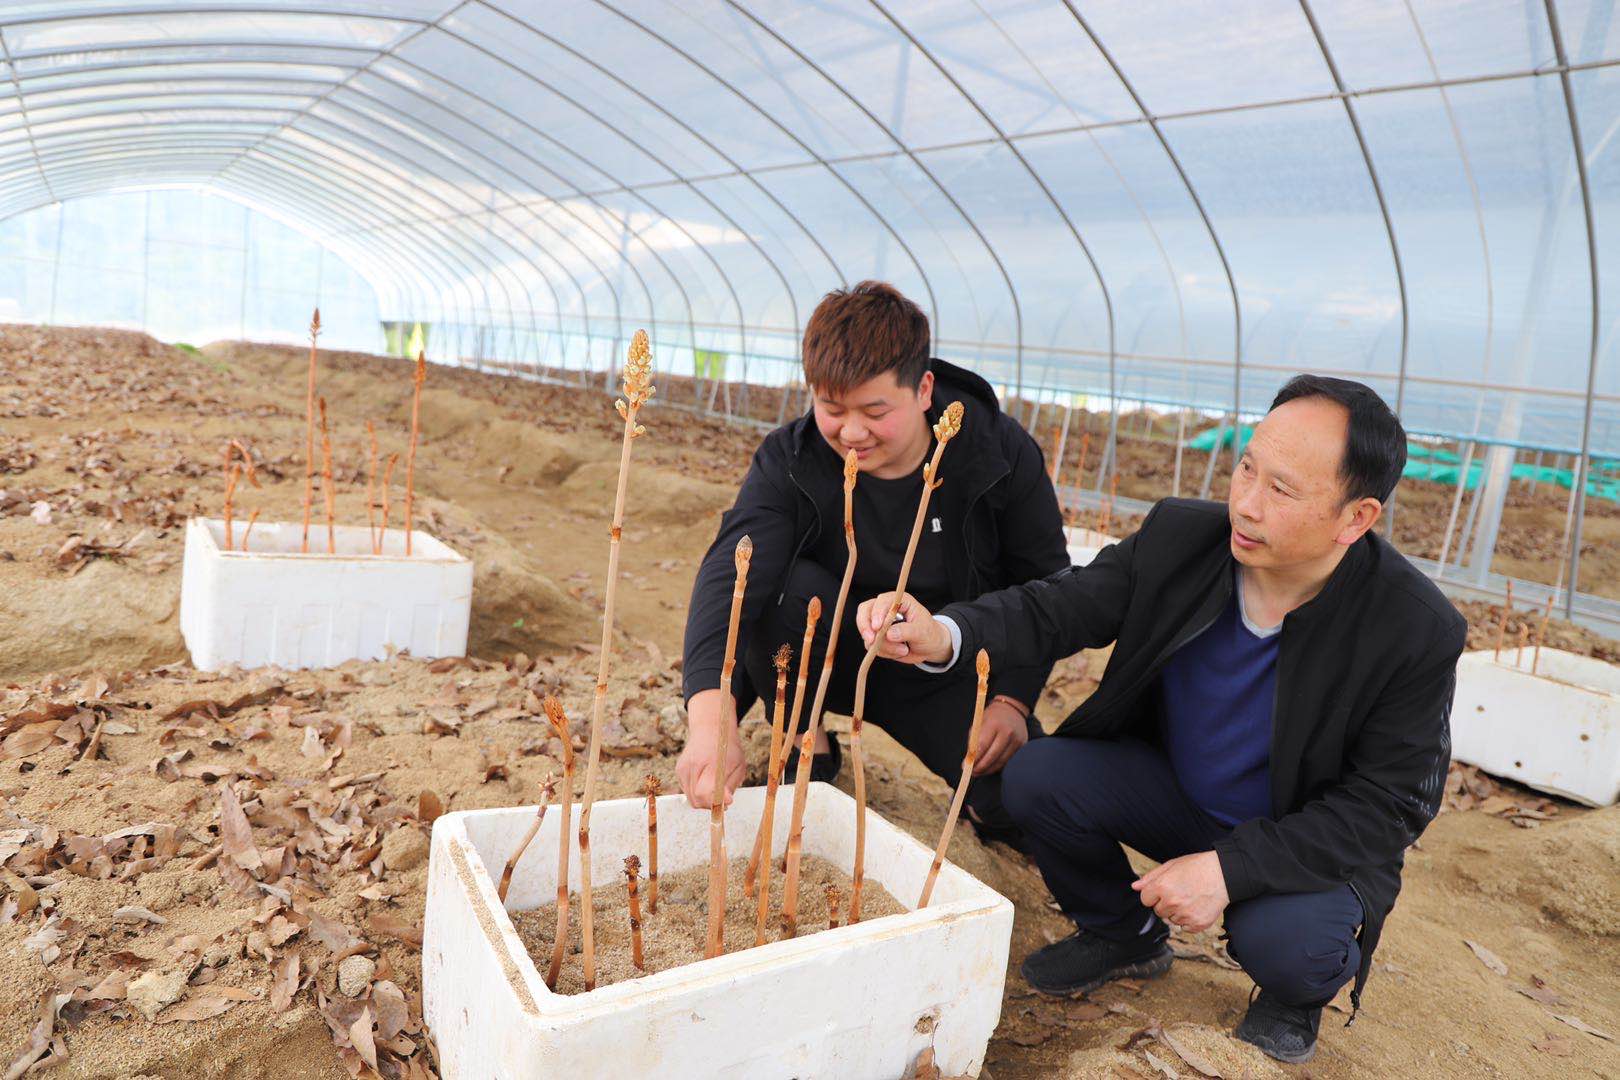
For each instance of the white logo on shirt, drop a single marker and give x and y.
(936, 525)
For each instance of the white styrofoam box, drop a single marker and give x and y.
(1557, 730)
(1084, 544)
(276, 605)
(857, 1001)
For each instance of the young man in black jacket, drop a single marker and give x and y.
(1273, 725)
(993, 523)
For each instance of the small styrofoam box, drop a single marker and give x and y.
(857, 1001)
(275, 605)
(1084, 544)
(1557, 730)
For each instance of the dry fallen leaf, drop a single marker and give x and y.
(285, 984)
(1556, 1045)
(389, 926)
(236, 834)
(1195, 1061)
(1581, 1025)
(428, 807)
(1486, 957)
(202, 1007)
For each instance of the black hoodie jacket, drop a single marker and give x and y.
(996, 504)
(1361, 720)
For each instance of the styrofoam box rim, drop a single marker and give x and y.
(433, 551)
(1567, 669)
(450, 833)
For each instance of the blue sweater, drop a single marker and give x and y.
(1216, 697)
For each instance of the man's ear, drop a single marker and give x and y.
(1356, 518)
(925, 391)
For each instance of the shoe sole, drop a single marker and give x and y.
(1268, 1048)
(1151, 968)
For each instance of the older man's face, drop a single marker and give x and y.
(1287, 504)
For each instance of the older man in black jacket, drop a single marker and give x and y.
(995, 522)
(1273, 725)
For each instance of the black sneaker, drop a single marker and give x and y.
(1285, 1032)
(1083, 961)
(824, 765)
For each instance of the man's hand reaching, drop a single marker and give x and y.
(1189, 891)
(918, 639)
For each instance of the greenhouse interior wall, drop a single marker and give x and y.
(1106, 206)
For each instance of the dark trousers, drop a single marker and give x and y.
(1079, 799)
(928, 714)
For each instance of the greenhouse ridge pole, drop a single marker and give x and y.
(1389, 226)
(1581, 466)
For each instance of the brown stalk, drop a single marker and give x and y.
(944, 431)
(371, 488)
(632, 868)
(638, 387)
(233, 450)
(983, 664)
(309, 428)
(801, 777)
(1057, 449)
(651, 785)
(1080, 470)
(1501, 626)
(388, 480)
(548, 788)
(832, 907)
(1541, 634)
(327, 492)
(779, 747)
(410, 458)
(1108, 507)
(784, 657)
(1524, 639)
(716, 942)
(248, 531)
(559, 724)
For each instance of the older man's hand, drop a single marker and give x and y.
(1189, 891)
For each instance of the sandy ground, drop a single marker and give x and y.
(242, 856)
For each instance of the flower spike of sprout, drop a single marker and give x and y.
(944, 431)
(807, 743)
(983, 667)
(637, 389)
(309, 428)
(559, 724)
(716, 942)
(233, 472)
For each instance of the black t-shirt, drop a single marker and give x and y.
(884, 513)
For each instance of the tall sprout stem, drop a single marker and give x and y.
(309, 428)
(783, 659)
(417, 379)
(559, 724)
(328, 494)
(371, 488)
(249, 530)
(779, 746)
(807, 743)
(716, 942)
(548, 789)
(651, 786)
(388, 480)
(983, 665)
(632, 870)
(233, 473)
(638, 389)
(945, 430)
(1501, 625)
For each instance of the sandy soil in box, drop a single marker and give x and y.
(223, 875)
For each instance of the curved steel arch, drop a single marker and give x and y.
(1102, 283)
(1383, 209)
(1209, 227)
(928, 287)
(1579, 514)
(1018, 316)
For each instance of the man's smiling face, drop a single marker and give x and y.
(1287, 505)
(882, 421)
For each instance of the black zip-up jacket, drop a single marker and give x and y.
(996, 503)
(1361, 718)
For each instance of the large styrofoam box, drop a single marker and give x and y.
(1557, 730)
(857, 1001)
(1084, 544)
(276, 605)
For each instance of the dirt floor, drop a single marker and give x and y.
(224, 875)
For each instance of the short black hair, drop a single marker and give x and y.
(1375, 448)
